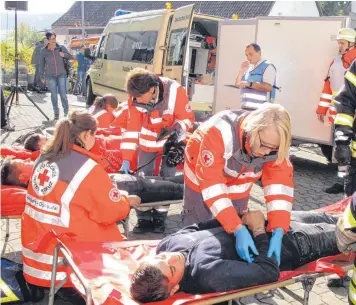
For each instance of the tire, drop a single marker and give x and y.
(90, 95)
(327, 151)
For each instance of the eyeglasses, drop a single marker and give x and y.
(263, 146)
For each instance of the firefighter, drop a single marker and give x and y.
(155, 105)
(69, 192)
(346, 240)
(224, 157)
(332, 84)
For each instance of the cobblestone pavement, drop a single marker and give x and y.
(312, 176)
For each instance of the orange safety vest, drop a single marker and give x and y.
(72, 195)
(103, 117)
(141, 127)
(217, 167)
(333, 83)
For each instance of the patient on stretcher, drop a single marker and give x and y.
(202, 258)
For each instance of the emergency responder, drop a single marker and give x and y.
(103, 109)
(256, 79)
(345, 137)
(332, 84)
(155, 105)
(69, 192)
(224, 157)
(346, 240)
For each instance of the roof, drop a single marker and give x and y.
(98, 13)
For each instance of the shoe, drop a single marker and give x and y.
(56, 117)
(335, 189)
(143, 226)
(158, 226)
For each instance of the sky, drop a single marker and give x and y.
(44, 7)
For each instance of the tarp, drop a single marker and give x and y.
(108, 266)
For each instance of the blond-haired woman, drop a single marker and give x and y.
(223, 159)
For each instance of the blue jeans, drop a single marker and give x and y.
(57, 84)
(81, 79)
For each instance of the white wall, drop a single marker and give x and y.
(295, 9)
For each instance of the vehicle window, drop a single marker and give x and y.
(176, 48)
(114, 47)
(140, 47)
(101, 47)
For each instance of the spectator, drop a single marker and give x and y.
(53, 70)
(35, 61)
(103, 108)
(83, 67)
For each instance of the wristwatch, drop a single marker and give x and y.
(250, 85)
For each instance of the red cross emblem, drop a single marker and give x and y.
(207, 158)
(43, 177)
(188, 108)
(115, 195)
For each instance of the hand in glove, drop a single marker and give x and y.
(244, 241)
(125, 167)
(275, 244)
(343, 154)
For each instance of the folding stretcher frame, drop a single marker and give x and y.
(7, 230)
(307, 281)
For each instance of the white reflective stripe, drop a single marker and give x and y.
(156, 120)
(130, 135)
(42, 217)
(143, 110)
(326, 96)
(152, 144)
(219, 205)
(214, 191)
(250, 175)
(43, 205)
(188, 123)
(181, 124)
(128, 146)
(251, 105)
(147, 132)
(239, 189)
(172, 97)
(43, 275)
(279, 205)
(256, 97)
(278, 189)
(40, 257)
(99, 114)
(73, 187)
(341, 138)
(189, 173)
(324, 104)
(117, 113)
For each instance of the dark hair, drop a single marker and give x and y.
(139, 81)
(67, 133)
(107, 99)
(32, 142)
(49, 34)
(255, 46)
(149, 284)
(9, 176)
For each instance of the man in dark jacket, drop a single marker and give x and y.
(202, 258)
(35, 61)
(53, 72)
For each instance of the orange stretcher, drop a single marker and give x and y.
(101, 271)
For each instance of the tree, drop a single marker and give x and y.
(334, 8)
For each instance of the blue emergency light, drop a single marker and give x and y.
(120, 12)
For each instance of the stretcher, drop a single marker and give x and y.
(101, 271)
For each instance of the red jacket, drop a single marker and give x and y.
(19, 152)
(141, 126)
(104, 117)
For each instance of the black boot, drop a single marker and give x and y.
(144, 222)
(335, 189)
(159, 219)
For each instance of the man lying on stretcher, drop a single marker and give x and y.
(202, 258)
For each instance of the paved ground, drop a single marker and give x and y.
(312, 176)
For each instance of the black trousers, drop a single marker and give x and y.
(3, 109)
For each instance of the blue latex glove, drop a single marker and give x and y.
(125, 167)
(275, 244)
(244, 241)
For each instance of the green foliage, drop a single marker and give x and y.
(26, 38)
(334, 8)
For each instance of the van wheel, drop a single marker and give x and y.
(327, 152)
(90, 94)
